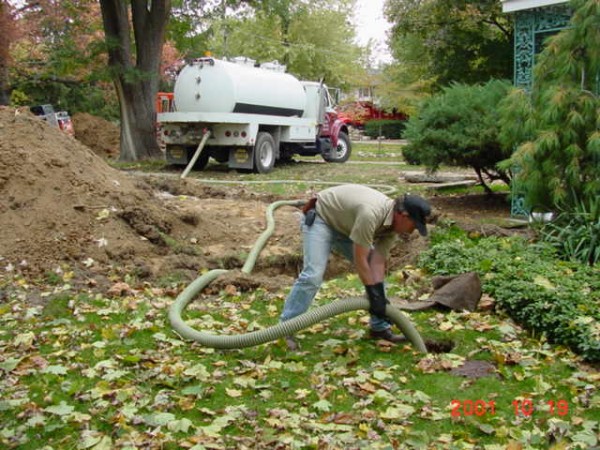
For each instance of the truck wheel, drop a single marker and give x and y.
(264, 153)
(342, 152)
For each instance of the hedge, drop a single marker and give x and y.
(390, 129)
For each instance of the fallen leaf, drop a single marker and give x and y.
(103, 214)
(234, 393)
(322, 405)
(368, 387)
(398, 412)
(120, 289)
(159, 419)
(543, 282)
(62, 409)
(56, 370)
(182, 425)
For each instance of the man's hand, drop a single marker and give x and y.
(377, 299)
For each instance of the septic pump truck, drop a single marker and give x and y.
(249, 116)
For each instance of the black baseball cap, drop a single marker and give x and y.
(418, 209)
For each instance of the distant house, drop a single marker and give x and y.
(535, 20)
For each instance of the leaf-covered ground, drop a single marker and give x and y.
(90, 371)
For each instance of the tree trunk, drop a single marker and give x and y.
(5, 37)
(136, 69)
(4, 89)
(486, 188)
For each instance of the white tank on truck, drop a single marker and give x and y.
(248, 116)
(227, 87)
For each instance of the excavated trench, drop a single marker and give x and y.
(439, 346)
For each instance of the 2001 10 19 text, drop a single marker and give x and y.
(524, 407)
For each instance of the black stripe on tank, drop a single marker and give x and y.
(247, 108)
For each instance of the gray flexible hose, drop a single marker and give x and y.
(384, 188)
(282, 329)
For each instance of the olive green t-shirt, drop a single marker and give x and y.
(361, 213)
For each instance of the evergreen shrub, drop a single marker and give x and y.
(459, 127)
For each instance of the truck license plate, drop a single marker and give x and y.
(177, 153)
(241, 155)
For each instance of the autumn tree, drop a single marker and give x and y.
(134, 33)
(6, 36)
(56, 57)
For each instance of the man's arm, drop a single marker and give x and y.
(370, 265)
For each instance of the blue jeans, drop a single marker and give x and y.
(318, 241)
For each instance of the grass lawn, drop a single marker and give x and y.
(91, 371)
(306, 173)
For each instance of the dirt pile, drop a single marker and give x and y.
(63, 203)
(98, 134)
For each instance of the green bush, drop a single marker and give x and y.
(557, 299)
(391, 129)
(459, 127)
(412, 155)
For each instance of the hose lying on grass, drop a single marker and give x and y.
(282, 329)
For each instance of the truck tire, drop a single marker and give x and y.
(341, 153)
(264, 153)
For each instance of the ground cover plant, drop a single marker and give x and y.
(557, 300)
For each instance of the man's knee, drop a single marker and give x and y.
(310, 279)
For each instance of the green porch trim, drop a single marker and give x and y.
(532, 27)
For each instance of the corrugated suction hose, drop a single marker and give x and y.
(282, 329)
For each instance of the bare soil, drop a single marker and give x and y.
(100, 135)
(64, 208)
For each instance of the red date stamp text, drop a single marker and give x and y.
(522, 407)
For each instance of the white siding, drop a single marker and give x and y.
(518, 5)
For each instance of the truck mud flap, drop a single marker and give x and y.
(176, 155)
(241, 158)
(324, 146)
